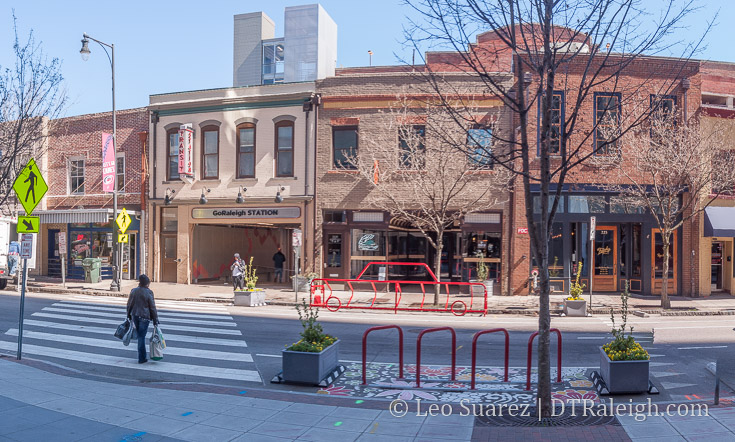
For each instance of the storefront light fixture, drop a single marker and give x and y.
(169, 196)
(240, 199)
(203, 198)
(279, 197)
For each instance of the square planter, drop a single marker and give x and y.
(575, 308)
(478, 291)
(309, 368)
(250, 298)
(624, 376)
(301, 284)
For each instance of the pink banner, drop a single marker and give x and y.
(108, 163)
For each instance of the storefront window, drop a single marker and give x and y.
(102, 246)
(623, 249)
(169, 222)
(625, 205)
(367, 245)
(586, 204)
(487, 243)
(636, 250)
(580, 248)
(80, 247)
(604, 252)
(537, 204)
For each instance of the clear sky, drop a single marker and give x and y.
(169, 46)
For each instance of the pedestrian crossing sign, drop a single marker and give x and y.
(30, 187)
(123, 221)
(121, 237)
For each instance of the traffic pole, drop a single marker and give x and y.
(22, 305)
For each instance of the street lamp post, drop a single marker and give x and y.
(115, 286)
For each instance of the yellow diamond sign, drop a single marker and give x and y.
(123, 220)
(30, 187)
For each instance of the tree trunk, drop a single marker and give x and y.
(438, 266)
(544, 324)
(665, 301)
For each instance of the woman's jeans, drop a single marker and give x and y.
(141, 326)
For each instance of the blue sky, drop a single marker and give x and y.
(165, 46)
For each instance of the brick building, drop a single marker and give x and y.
(362, 109)
(76, 204)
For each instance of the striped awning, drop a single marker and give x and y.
(76, 216)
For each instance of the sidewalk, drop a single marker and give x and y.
(720, 304)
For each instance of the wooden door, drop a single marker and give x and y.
(604, 259)
(169, 263)
(657, 261)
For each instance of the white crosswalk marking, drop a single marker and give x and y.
(81, 333)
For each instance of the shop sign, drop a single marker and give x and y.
(247, 213)
(186, 143)
(522, 231)
(367, 243)
(62, 243)
(296, 238)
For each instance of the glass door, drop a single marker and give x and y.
(716, 272)
(333, 260)
(605, 259)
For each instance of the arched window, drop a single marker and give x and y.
(245, 150)
(284, 148)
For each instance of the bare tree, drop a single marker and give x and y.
(31, 97)
(672, 171)
(549, 45)
(420, 175)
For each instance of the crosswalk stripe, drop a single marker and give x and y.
(107, 331)
(115, 345)
(131, 363)
(161, 312)
(117, 322)
(121, 316)
(203, 306)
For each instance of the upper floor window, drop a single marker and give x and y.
(246, 150)
(344, 144)
(479, 147)
(120, 171)
(412, 147)
(284, 148)
(663, 105)
(607, 120)
(556, 122)
(210, 152)
(273, 63)
(172, 155)
(76, 176)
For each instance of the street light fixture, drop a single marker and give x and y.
(85, 52)
(169, 196)
(203, 198)
(279, 198)
(240, 199)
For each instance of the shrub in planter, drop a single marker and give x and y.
(574, 305)
(482, 276)
(315, 355)
(623, 362)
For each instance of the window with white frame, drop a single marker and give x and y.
(76, 176)
(120, 171)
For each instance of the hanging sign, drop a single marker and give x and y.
(108, 163)
(186, 144)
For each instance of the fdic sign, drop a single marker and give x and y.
(247, 213)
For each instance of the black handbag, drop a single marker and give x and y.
(122, 329)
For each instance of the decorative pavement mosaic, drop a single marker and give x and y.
(575, 384)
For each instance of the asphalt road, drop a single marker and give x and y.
(210, 340)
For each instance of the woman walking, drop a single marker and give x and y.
(142, 310)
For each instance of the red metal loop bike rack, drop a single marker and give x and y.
(364, 350)
(474, 352)
(530, 352)
(418, 352)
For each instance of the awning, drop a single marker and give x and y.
(76, 216)
(719, 221)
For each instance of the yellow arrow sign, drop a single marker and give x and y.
(122, 237)
(30, 186)
(123, 221)
(28, 224)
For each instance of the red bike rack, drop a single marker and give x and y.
(474, 352)
(364, 350)
(418, 351)
(530, 352)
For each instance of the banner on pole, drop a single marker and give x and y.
(108, 163)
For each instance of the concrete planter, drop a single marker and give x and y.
(575, 308)
(301, 283)
(309, 368)
(624, 376)
(250, 298)
(478, 291)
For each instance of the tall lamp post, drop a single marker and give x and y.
(115, 286)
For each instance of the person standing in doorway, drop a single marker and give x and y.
(278, 259)
(238, 268)
(142, 310)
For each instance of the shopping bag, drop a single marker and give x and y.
(122, 329)
(131, 334)
(156, 345)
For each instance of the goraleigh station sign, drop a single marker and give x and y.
(247, 213)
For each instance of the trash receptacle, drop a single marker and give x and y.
(92, 269)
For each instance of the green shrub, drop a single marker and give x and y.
(313, 339)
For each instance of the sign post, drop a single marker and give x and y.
(296, 237)
(593, 229)
(29, 187)
(62, 253)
